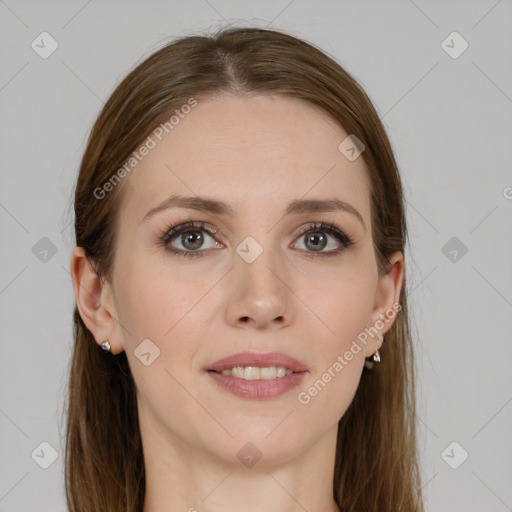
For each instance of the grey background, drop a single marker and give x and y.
(450, 123)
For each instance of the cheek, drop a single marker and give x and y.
(151, 303)
(159, 308)
(328, 394)
(343, 310)
(342, 306)
(156, 305)
(340, 354)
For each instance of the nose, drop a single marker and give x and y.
(259, 295)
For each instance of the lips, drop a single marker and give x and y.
(260, 360)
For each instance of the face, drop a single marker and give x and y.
(255, 279)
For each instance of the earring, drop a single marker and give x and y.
(376, 356)
(106, 346)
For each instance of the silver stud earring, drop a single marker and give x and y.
(106, 346)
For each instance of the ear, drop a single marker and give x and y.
(94, 300)
(386, 305)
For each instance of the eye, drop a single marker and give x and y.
(315, 240)
(191, 236)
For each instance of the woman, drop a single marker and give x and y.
(240, 238)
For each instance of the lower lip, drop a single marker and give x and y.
(257, 389)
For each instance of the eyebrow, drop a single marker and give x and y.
(205, 204)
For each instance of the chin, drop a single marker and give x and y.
(273, 446)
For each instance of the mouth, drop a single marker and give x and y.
(258, 362)
(256, 373)
(258, 376)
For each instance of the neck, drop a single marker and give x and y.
(180, 477)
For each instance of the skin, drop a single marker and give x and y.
(257, 154)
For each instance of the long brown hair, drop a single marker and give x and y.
(376, 467)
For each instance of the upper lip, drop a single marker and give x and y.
(261, 360)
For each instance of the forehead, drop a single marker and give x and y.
(252, 152)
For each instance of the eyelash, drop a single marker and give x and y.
(330, 229)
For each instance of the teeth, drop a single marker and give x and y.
(256, 373)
